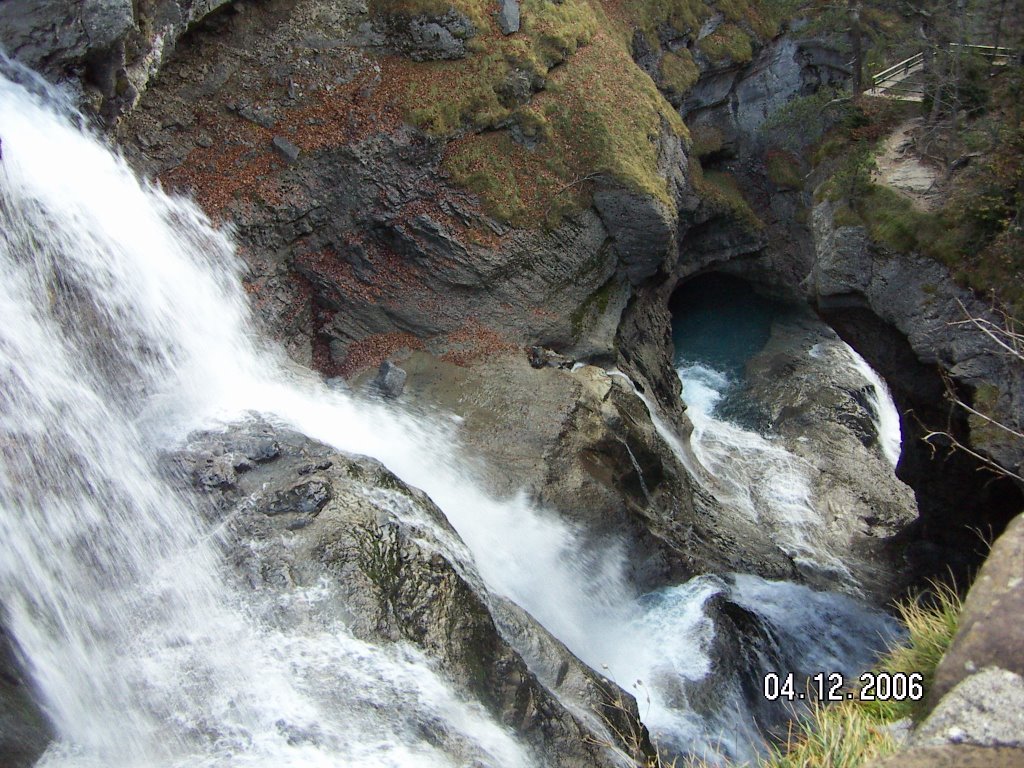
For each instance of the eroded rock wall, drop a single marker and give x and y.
(111, 49)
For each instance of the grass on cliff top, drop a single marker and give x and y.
(755, 19)
(538, 114)
(593, 113)
(727, 43)
(477, 11)
(478, 91)
(599, 115)
(679, 72)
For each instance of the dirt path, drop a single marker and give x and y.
(901, 169)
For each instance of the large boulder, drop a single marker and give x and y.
(985, 709)
(810, 393)
(990, 633)
(295, 513)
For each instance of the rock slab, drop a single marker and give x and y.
(991, 631)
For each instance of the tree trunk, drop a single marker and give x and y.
(856, 38)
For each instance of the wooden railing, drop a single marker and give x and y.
(890, 81)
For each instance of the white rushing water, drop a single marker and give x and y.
(123, 327)
(754, 474)
(122, 323)
(885, 415)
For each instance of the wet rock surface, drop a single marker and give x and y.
(24, 729)
(584, 446)
(399, 573)
(812, 396)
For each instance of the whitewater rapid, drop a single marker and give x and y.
(123, 328)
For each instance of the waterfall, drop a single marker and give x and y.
(884, 414)
(754, 474)
(123, 324)
(124, 327)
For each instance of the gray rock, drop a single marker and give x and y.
(24, 729)
(990, 632)
(642, 228)
(426, 38)
(818, 407)
(985, 709)
(584, 444)
(953, 756)
(113, 46)
(398, 572)
(540, 357)
(55, 34)
(390, 379)
(905, 313)
(508, 16)
(286, 149)
(257, 116)
(918, 296)
(738, 100)
(901, 730)
(710, 25)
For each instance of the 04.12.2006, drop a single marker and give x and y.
(831, 686)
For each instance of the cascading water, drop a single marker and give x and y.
(124, 327)
(745, 467)
(124, 323)
(885, 415)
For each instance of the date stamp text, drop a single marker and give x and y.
(832, 686)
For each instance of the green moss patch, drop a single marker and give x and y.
(679, 72)
(600, 116)
(485, 89)
(728, 43)
(784, 170)
(722, 194)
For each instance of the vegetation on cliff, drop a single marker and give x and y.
(970, 132)
(535, 117)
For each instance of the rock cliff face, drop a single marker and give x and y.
(906, 315)
(110, 48)
(358, 244)
(738, 100)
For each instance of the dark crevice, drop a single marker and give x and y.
(962, 505)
